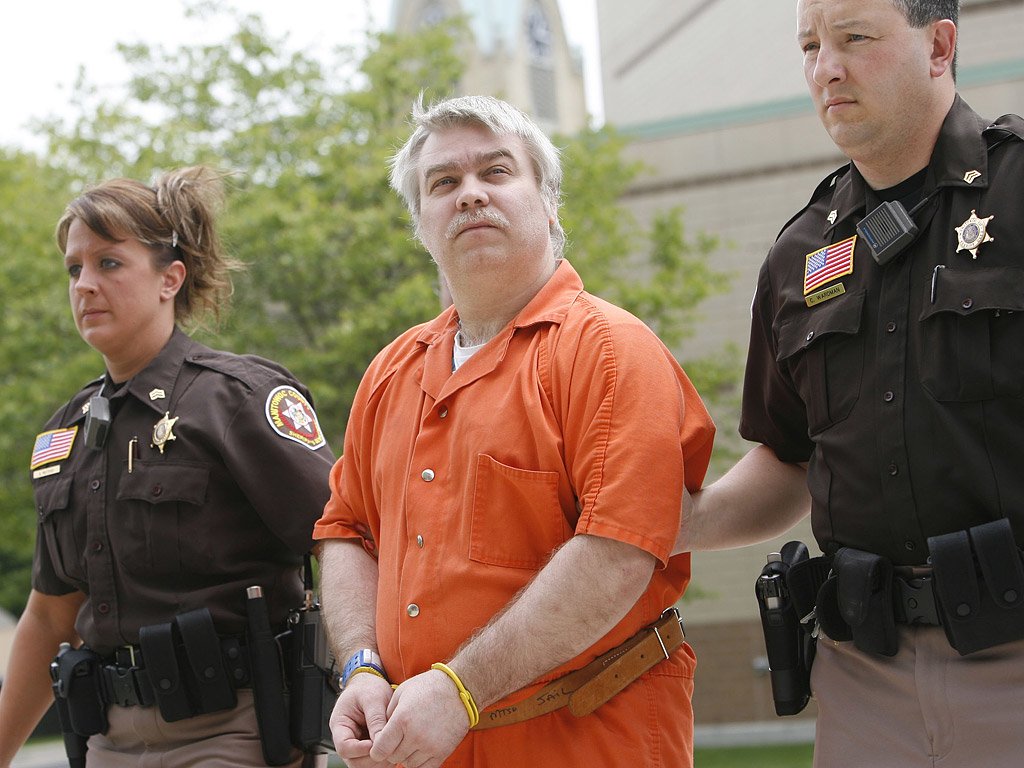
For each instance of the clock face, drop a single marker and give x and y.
(538, 33)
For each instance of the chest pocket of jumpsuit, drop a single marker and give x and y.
(971, 338)
(517, 519)
(160, 510)
(63, 533)
(824, 352)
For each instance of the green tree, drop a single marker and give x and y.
(333, 270)
(43, 360)
(660, 274)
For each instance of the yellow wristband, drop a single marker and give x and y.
(467, 698)
(371, 670)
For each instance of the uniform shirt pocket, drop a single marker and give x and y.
(163, 528)
(824, 352)
(517, 521)
(63, 534)
(971, 334)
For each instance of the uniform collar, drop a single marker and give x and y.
(549, 305)
(154, 384)
(959, 159)
(552, 302)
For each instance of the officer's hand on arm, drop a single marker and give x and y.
(426, 722)
(358, 718)
(759, 498)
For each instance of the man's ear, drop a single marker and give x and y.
(173, 278)
(943, 46)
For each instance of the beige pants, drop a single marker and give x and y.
(926, 707)
(140, 738)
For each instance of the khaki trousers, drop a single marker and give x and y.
(140, 738)
(926, 707)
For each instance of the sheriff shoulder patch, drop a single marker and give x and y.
(291, 416)
(54, 445)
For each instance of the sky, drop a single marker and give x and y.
(44, 42)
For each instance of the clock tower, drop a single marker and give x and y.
(518, 52)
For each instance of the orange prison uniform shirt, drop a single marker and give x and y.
(575, 419)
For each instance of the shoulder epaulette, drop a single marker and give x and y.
(820, 191)
(1006, 127)
(253, 371)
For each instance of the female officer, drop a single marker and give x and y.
(171, 484)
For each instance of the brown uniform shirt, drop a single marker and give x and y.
(230, 502)
(905, 391)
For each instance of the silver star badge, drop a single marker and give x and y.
(973, 233)
(163, 432)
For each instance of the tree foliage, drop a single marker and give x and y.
(333, 272)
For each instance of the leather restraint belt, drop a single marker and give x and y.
(589, 687)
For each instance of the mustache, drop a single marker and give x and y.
(469, 218)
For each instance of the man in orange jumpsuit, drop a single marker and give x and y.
(510, 488)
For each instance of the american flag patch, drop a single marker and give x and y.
(828, 263)
(52, 446)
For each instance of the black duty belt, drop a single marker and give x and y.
(127, 682)
(972, 586)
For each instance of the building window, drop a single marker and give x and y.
(538, 34)
(542, 86)
(539, 45)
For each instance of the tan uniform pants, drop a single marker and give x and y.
(140, 738)
(926, 707)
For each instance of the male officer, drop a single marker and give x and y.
(889, 383)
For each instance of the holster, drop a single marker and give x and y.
(312, 672)
(313, 681)
(979, 582)
(78, 686)
(783, 635)
(856, 602)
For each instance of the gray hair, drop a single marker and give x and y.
(502, 119)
